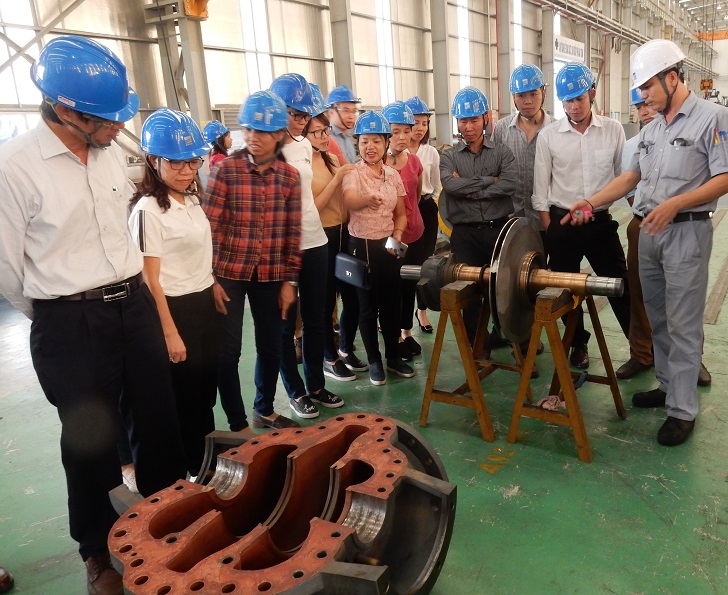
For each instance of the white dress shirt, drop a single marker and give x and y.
(63, 224)
(571, 166)
(180, 237)
(430, 159)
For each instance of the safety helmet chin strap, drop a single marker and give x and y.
(87, 136)
(540, 107)
(278, 149)
(381, 157)
(661, 78)
(295, 138)
(591, 102)
(344, 126)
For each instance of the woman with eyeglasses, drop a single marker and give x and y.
(174, 236)
(305, 393)
(339, 364)
(374, 195)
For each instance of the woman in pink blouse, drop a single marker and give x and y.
(374, 195)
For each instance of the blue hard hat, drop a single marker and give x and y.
(342, 94)
(635, 96)
(526, 77)
(294, 90)
(469, 102)
(398, 113)
(372, 122)
(573, 80)
(85, 76)
(418, 107)
(263, 111)
(214, 130)
(319, 105)
(172, 134)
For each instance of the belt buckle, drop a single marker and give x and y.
(112, 293)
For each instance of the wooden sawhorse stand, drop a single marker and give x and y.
(454, 297)
(552, 304)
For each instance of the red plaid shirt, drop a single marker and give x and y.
(255, 219)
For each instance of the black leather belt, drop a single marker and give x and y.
(683, 217)
(491, 224)
(108, 293)
(598, 215)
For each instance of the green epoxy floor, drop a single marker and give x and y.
(531, 517)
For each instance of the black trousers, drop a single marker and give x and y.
(599, 243)
(381, 301)
(473, 246)
(428, 210)
(195, 379)
(417, 253)
(349, 315)
(95, 360)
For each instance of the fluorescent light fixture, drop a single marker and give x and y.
(683, 1)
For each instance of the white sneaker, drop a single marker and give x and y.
(128, 477)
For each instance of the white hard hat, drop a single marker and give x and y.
(652, 58)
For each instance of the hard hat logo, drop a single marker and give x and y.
(66, 101)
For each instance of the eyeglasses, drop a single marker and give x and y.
(299, 116)
(194, 164)
(321, 132)
(101, 121)
(349, 111)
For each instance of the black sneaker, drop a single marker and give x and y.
(338, 371)
(303, 407)
(400, 368)
(327, 399)
(376, 374)
(352, 362)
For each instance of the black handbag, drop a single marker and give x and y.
(353, 271)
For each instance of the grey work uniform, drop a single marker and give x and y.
(673, 159)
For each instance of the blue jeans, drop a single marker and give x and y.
(312, 299)
(267, 321)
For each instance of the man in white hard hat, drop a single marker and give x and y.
(682, 162)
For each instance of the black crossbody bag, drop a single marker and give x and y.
(352, 270)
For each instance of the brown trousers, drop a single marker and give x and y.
(640, 332)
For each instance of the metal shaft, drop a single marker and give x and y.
(577, 283)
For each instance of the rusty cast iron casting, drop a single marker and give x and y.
(357, 504)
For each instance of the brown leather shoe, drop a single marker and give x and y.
(579, 356)
(6, 580)
(101, 578)
(631, 368)
(675, 431)
(704, 377)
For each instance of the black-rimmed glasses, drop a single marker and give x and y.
(299, 116)
(194, 164)
(321, 133)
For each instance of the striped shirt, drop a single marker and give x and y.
(255, 218)
(508, 133)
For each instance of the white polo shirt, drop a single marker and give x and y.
(180, 237)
